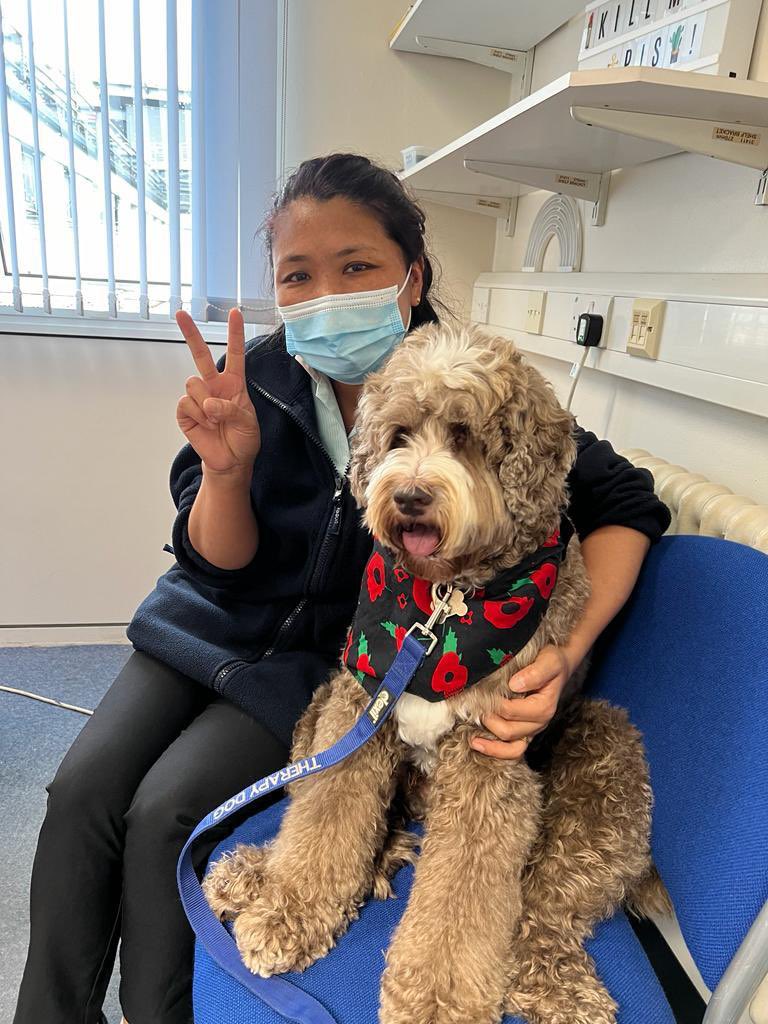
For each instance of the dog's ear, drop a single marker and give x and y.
(368, 442)
(538, 446)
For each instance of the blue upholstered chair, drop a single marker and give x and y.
(688, 657)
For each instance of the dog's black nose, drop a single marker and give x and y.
(412, 502)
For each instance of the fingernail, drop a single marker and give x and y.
(478, 746)
(517, 684)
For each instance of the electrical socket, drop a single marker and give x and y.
(535, 312)
(480, 302)
(588, 303)
(645, 328)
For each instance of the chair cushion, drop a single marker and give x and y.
(347, 980)
(688, 658)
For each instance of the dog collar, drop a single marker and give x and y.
(481, 631)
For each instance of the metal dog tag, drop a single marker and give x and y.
(456, 603)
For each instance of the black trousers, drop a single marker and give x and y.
(159, 752)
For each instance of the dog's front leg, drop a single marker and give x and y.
(320, 866)
(448, 962)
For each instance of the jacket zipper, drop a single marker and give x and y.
(317, 441)
(335, 522)
(219, 677)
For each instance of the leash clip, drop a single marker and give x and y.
(426, 627)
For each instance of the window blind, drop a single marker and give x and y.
(139, 156)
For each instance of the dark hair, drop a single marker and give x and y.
(358, 179)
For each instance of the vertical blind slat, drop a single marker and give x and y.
(106, 160)
(46, 297)
(72, 179)
(173, 157)
(138, 106)
(17, 304)
(199, 265)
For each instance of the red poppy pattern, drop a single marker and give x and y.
(500, 619)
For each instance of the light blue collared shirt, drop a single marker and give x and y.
(330, 424)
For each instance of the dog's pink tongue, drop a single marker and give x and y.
(421, 540)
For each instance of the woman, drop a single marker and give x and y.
(269, 556)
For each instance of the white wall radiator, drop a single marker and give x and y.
(702, 507)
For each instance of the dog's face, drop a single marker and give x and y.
(461, 452)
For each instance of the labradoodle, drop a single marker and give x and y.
(460, 464)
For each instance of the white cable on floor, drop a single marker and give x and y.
(46, 700)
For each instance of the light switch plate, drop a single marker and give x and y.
(535, 312)
(645, 328)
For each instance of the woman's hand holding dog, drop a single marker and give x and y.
(518, 721)
(217, 415)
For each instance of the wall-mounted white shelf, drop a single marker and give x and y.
(514, 25)
(498, 34)
(569, 135)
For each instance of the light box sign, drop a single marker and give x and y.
(715, 36)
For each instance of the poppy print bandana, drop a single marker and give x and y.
(491, 626)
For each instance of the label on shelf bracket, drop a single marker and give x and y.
(742, 138)
(506, 54)
(570, 179)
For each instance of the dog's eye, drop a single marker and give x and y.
(398, 437)
(459, 434)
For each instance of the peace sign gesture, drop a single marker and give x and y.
(217, 415)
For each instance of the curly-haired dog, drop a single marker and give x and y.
(460, 463)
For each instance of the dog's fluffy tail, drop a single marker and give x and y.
(648, 897)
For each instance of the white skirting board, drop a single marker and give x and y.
(56, 636)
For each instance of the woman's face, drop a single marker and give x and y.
(323, 248)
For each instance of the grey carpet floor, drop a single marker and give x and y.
(33, 739)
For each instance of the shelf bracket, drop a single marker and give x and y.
(501, 207)
(589, 185)
(601, 204)
(514, 62)
(733, 141)
(510, 224)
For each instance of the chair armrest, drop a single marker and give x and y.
(742, 977)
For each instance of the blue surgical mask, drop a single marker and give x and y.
(346, 335)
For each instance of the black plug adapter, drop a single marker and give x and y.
(589, 330)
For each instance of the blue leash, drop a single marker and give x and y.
(289, 1000)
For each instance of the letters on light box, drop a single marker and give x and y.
(715, 36)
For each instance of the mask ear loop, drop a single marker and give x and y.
(405, 282)
(400, 292)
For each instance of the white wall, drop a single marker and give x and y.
(682, 214)
(87, 434)
(87, 426)
(348, 92)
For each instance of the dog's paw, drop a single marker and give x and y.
(283, 932)
(425, 992)
(571, 999)
(233, 882)
(560, 1011)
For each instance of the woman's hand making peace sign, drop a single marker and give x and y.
(217, 415)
